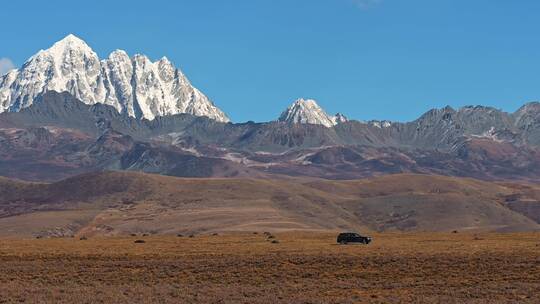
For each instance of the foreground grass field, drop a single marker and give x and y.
(250, 268)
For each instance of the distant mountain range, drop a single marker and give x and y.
(60, 136)
(140, 88)
(67, 114)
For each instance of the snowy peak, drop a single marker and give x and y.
(65, 49)
(70, 42)
(307, 111)
(69, 65)
(135, 86)
(69, 55)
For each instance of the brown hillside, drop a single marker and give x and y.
(111, 203)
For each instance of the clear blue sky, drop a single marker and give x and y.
(370, 59)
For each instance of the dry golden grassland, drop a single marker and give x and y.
(249, 268)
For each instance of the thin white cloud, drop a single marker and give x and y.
(366, 4)
(6, 65)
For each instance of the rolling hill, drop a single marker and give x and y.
(119, 203)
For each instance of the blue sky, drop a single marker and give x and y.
(370, 59)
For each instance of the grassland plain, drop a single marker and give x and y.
(249, 268)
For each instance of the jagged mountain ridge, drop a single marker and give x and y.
(441, 129)
(135, 86)
(60, 136)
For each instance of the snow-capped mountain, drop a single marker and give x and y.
(137, 86)
(307, 111)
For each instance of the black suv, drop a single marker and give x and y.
(351, 237)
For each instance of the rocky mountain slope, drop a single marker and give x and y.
(135, 86)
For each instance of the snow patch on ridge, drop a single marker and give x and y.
(490, 134)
